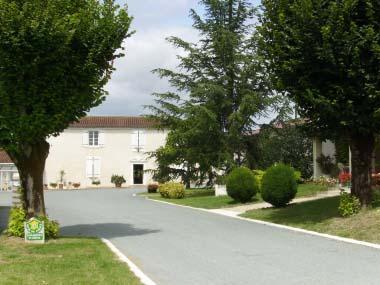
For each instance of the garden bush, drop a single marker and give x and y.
(242, 185)
(259, 176)
(172, 190)
(279, 185)
(349, 205)
(17, 217)
(152, 188)
(118, 180)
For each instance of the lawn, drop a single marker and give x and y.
(322, 216)
(205, 198)
(62, 261)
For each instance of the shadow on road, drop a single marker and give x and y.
(4, 214)
(109, 230)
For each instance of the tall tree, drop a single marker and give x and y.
(55, 58)
(221, 86)
(326, 56)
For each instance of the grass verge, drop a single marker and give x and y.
(322, 216)
(61, 261)
(205, 198)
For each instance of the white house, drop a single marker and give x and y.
(96, 147)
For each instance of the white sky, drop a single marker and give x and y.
(133, 83)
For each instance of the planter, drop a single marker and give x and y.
(220, 190)
(60, 186)
(118, 185)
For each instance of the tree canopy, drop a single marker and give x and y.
(325, 55)
(55, 58)
(220, 88)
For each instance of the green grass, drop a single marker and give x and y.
(62, 261)
(322, 216)
(205, 198)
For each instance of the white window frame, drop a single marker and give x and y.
(93, 160)
(93, 138)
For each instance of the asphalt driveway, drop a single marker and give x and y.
(179, 246)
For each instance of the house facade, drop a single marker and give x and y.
(90, 151)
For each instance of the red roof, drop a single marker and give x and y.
(114, 122)
(4, 158)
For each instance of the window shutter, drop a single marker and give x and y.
(89, 167)
(102, 138)
(142, 138)
(97, 166)
(134, 141)
(85, 138)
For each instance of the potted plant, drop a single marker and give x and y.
(53, 185)
(76, 185)
(118, 180)
(96, 182)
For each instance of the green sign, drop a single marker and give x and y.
(34, 231)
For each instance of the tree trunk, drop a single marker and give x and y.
(30, 161)
(362, 148)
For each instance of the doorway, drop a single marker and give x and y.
(138, 174)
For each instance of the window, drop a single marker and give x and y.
(93, 167)
(138, 140)
(93, 138)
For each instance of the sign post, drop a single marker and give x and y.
(34, 231)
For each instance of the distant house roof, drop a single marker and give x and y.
(114, 122)
(4, 158)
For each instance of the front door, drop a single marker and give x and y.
(138, 173)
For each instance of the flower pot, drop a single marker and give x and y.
(118, 185)
(60, 186)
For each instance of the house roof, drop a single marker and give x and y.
(4, 158)
(114, 122)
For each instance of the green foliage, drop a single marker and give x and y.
(349, 205)
(284, 143)
(172, 190)
(222, 87)
(342, 150)
(118, 180)
(53, 185)
(55, 59)
(95, 182)
(258, 174)
(153, 187)
(17, 217)
(242, 185)
(325, 56)
(298, 176)
(16, 221)
(279, 185)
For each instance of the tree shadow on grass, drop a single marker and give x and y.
(4, 215)
(105, 230)
(307, 213)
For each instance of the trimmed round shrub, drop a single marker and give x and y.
(242, 185)
(172, 190)
(279, 185)
(348, 205)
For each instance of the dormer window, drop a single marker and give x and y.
(93, 138)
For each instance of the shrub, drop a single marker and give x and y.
(259, 177)
(53, 185)
(172, 190)
(96, 182)
(17, 217)
(76, 185)
(16, 221)
(152, 188)
(298, 177)
(279, 185)
(118, 180)
(242, 185)
(349, 205)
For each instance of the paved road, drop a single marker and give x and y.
(179, 246)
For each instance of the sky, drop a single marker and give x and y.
(132, 84)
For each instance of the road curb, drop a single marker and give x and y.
(137, 271)
(227, 213)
